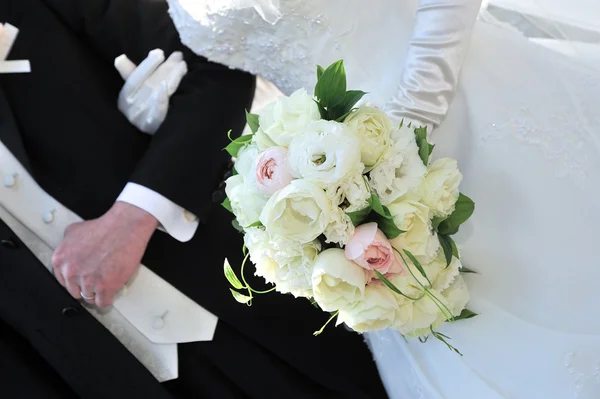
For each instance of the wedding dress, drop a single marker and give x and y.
(523, 122)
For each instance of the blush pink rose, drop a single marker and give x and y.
(370, 249)
(272, 171)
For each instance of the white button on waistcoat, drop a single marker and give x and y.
(49, 216)
(10, 180)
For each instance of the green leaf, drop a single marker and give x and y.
(436, 222)
(227, 205)
(241, 298)
(234, 171)
(230, 275)
(465, 314)
(454, 249)
(390, 285)
(425, 149)
(463, 210)
(466, 270)
(446, 243)
(255, 224)
(417, 265)
(420, 133)
(389, 228)
(252, 120)
(378, 208)
(331, 86)
(236, 145)
(236, 225)
(358, 217)
(341, 111)
(320, 71)
(322, 110)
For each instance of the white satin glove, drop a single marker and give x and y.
(144, 98)
(436, 52)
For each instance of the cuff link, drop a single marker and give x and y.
(190, 217)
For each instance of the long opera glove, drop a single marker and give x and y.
(436, 52)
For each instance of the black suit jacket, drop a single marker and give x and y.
(83, 151)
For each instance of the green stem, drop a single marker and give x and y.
(261, 292)
(325, 325)
(247, 286)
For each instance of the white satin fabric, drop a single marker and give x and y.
(523, 124)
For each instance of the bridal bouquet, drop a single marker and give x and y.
(340, 205)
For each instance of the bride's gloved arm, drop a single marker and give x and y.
(429, 78)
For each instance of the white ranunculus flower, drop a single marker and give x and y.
(246, 201)
(441, 275)
(457, 295)
(375, 312)
(337, 282)
(245, 163)
(352, 193)
(400, 171)
(373, 128)
(415, 219)
(283, 262)
(286, 118)
(439, 188)
(416, 318)
(326, 153)
(301, 211)
(340, 228)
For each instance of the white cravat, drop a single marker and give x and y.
(8, 35)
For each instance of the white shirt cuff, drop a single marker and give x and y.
(174, 220)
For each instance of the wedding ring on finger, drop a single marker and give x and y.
(86, 297)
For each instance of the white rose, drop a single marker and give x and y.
(373, 128)
(245, 163)
(439, 188)
(246, 201)
(285, 263)
(414, 218)
(400, 171)
(287, 117)
(301, 211)
(340, 228)
(352, 193)
(375, 312)
(337, 282)
(326, 153)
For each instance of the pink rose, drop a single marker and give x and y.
(370, 249)
(272, 171)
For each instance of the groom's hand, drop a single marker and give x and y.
(97, 257)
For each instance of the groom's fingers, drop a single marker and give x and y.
(175, 77)
(124, 66)
(142, 72)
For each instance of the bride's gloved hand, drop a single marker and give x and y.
(438, 46)
(144, 98)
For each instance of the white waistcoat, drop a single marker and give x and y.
(149, 317)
